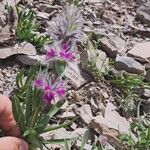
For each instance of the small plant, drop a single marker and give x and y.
(128, 85)
(40, 93)
(128, 82)
(36, 91)
(94, 71)
(143, 138)
(27, 28)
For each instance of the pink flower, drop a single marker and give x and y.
(67, 56)
(47, 88)
(50, 54)
(65, 46)
(50, 88)
(60, 91)
(62, 52)
(38, 83)
(48, 97)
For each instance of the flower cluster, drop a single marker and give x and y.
(49, 88)
(65, 29)
(67, 26)
(62, 53)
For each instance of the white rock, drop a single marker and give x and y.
(141, 52)
(74, 74)
(113, 120)
(85, 113)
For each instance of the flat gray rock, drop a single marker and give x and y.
(74, 74)
(31, 60)
(19, 48)
(129, 64)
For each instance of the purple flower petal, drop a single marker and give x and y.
(38, 83)
(65, 46)
(50, 54)
(60, 91)
(47, 88)
(67, 56)
(48, 97)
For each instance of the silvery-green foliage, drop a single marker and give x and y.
(67, 26)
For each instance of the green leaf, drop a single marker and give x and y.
(19, 78)
(64, 125)
(26, 133)
(66, 145)
(33, 139)
(45, 119)
(60, 67)
(18, 112)
(55, 108)
(28, 100)
(84, 139)
(58, 141)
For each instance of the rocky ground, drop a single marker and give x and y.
(117, 38)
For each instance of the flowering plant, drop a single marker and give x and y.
(40, 94)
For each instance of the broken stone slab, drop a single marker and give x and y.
(75, 75)
(31, 60)
(78, 132)
(111, 125)
(113, 120)
(140, 52)
(85, 113)
(129, 64)
(93, 56)
(19, 48)
(113, 45)
(62, 133)
(143, 13)
(111, 134)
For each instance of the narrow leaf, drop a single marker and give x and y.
(84, 140)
